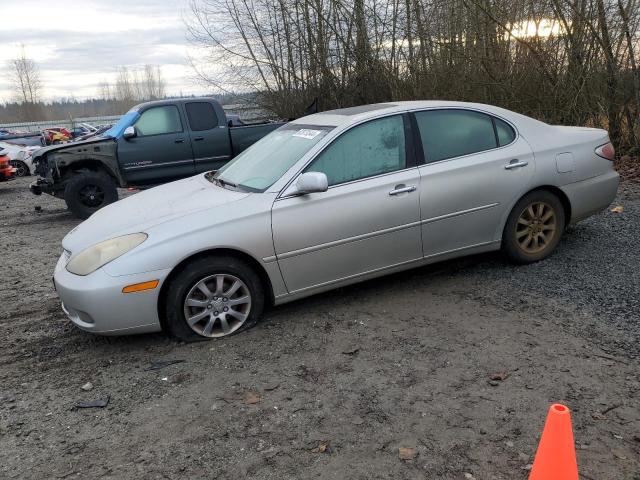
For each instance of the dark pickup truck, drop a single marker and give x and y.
(153, 143)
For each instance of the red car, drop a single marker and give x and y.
(56, 135)
(7, 172)
(62, 130)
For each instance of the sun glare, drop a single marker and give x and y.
(535, 28)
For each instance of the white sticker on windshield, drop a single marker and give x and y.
(308, 134)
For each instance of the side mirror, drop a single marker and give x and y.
(129, 132)
(311, 182)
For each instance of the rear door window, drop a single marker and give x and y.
(506, 134)
(453, 133)
(202, 116)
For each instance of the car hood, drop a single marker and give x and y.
(65, 146)
(142, 211)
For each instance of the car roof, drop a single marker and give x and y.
(351, 115)
(171, 101)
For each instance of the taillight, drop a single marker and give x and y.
(606, 151)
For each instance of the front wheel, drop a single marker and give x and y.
(88, 191)
(213, 297)
(534, 227)
(22, 170)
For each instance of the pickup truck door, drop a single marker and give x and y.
(161, 149)
(209, 136)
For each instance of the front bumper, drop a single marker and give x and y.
(41, 185)
(7, 173)
(95, 302)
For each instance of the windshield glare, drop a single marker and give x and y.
(263, 163)
(127, 119)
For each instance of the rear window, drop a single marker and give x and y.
(201, 115)
(505, 133)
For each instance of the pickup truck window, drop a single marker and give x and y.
(158, 121)
(202, 116)
(259, 166)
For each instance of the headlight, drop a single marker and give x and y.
(92, 258)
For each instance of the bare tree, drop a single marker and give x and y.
(104, 91)
(563, 61)
(133, 85)
(124, 87)
(24, 75)
(153, 83)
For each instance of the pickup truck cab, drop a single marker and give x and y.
(153, 143)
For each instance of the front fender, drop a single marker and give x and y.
(51, 161)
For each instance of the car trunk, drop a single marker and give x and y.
(583, 135)
(581, 143)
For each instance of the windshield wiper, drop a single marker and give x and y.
(223, 182)
(234, 186)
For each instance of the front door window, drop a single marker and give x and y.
(159, 121)
(366, 150)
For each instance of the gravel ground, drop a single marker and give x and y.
(332, 386)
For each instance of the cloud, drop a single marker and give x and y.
(78, 46)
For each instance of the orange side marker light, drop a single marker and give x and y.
(556, 455)
(141, 287)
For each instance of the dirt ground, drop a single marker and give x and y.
(332, 386)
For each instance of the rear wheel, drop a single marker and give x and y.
(88, 191)
(213, 297)
(534, 227)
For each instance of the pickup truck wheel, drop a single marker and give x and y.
(213, 297)
(88, 191)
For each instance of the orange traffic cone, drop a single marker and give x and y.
(556, 455)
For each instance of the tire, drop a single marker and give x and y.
(87, 191)
(22, 170)
(530, 238)
(209, 311)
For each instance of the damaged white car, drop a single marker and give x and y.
(20, 157)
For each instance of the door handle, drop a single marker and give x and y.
(197, 139)
(402, 189)
(179, 140)
(515, 163)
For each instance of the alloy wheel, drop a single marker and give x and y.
(91, 195)
(536, 227)
(217, 305)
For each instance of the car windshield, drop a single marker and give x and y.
(262, 164)
(127, 119)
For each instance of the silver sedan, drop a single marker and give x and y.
(328, 200)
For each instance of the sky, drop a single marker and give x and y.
(79, 44)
